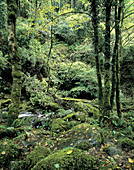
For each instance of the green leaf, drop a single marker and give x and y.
(56, 166)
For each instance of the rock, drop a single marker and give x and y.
(35, 156)
(112, 150)
(79, 116)
(59, 125)
(69, 158)
(87, 108)
(79, 134)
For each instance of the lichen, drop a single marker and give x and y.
(35, 156)
(69, 158)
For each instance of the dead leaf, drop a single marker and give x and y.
(130, 160)
(69, 152)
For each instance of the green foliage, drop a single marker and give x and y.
(3, 15)
(78, 80)
(37, 90)
(126, 143)
(8, 151)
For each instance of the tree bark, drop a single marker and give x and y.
(16, 62)
(107, 106)
(118, 64)
(96, 48)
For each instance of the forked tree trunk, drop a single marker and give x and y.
(16, 62)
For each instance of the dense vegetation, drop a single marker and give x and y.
(66, 84)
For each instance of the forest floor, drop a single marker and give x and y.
(111, 141)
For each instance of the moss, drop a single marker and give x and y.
(8, 151)
(69, 158)
(75, 116)
(87, 109)
(35, 156)
(59, 125)
(126, 143)
(83, 145)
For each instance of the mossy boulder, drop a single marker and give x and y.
(87, 108)
(126, 144)
(9, 151)
(79, 134)
(79, 116)
(59, 125)
(35, 156)
(112, 150)
(83, 145)
(70, 158)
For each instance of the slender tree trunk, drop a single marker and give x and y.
(107, 106)
(114, 57)
(16, 62)
(118, 63)
(96, 43)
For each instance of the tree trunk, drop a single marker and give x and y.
(96, 43)
(118, 64)
(114, 57)
(16, 62)
(107, 106)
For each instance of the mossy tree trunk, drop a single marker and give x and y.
(16, 62)
(113, 89)
(118, 62)
(94, 10)
(107, 106)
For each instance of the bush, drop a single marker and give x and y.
(78, 80)
(8, 151)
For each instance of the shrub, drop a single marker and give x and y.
(78, 79)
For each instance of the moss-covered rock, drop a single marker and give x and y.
(75, 116)
(78, 134)
(112, 150)
(87, 108)
(35, 156)
(59, 125)
(8, 151)
(70, 158)
(83, 145)
(126, 144)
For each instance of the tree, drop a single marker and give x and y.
(94, 10)
(15, 60)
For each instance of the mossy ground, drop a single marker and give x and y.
(68, 131)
